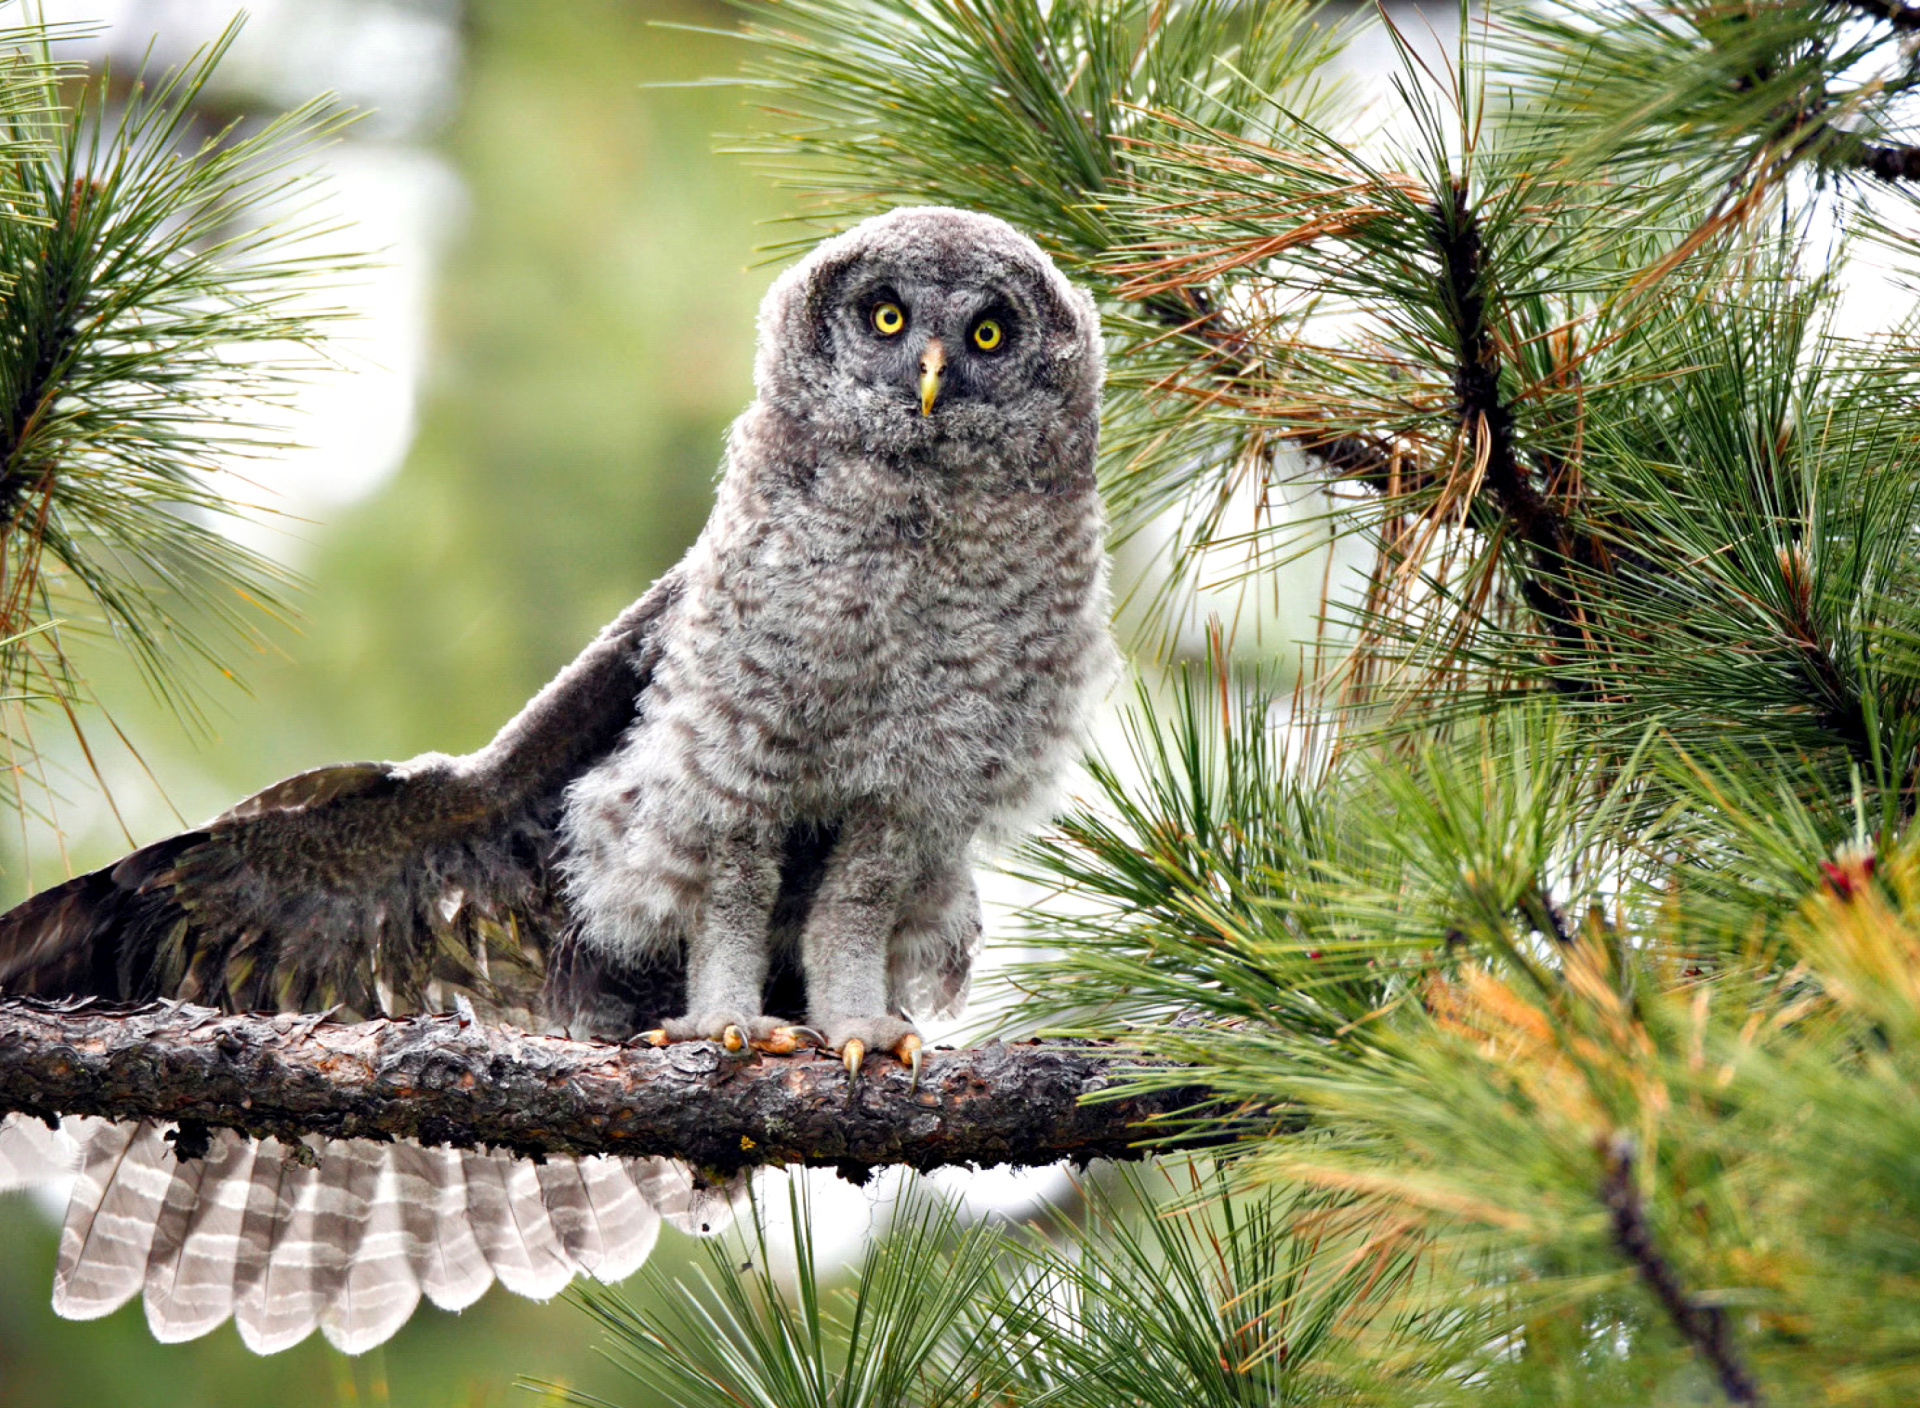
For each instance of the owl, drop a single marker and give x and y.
(746, 813)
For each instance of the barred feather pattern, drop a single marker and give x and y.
(342, 1236)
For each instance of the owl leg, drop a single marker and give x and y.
(727, 954)
(930, 957)
(843, 949)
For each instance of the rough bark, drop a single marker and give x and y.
(451, 1080)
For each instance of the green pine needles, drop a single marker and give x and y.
(1550, 937)
(1168, 1290)
(151, 320)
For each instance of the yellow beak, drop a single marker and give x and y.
(933, 361)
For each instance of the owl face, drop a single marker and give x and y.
(935, 334)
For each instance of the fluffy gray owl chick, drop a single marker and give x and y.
(883, 644)
(752, 797)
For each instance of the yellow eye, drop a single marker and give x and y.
(987, 335)
(888, 319)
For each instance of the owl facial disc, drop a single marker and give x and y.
(933, 339)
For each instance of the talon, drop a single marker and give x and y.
(851, 1055)
(734, 1040)
(656, 1037)
(909, 1053)
(787, 1040)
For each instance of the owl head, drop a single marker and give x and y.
(934, 335)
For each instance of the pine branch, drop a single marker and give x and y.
(153, 332)
(449, 1080)
(1890, 161)
(1702, 1326)
(1194, 311)
(1487, 423)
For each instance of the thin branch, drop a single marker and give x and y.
(1890, 161)
(1487, 423)
(1349, 455)
(452, 1080)
(1702, 1326)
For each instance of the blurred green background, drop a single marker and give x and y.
(591, 333)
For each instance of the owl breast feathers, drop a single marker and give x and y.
(751, 801)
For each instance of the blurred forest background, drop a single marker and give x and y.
(564, 327)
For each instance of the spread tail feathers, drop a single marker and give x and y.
(343, 1235)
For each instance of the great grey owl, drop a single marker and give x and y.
(750, 803)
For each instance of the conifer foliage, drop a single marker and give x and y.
(151, 321)
(1552, 942)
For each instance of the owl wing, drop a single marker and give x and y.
(381, 888)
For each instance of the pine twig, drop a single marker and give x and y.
(1890, 161)
(1355, 456)
(1487, 422)
(451, 1080)
(1702, 1326)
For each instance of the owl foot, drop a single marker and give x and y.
(736, 1032)
(853, 1037)
(783, 1041)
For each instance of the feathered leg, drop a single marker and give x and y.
(728, 954)
(843, 949)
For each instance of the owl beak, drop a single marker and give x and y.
(933, 361)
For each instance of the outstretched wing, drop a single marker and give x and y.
(379, 888)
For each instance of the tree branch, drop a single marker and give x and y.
(1888, 161)
(451, 1080)
(1545, 536)
(1702, 1326)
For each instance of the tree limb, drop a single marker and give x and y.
(1888, 161)
(1704, 1327)
(451, 1080)
(1540, 526)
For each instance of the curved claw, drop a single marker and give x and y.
(734, 1040)
(909, 1053)
(656, 1037)
(786, 1040)
(851, 1055)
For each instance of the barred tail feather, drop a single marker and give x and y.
(110, 1222)
(381, 1289)
(510, 1221)
(345, 1236)
(268, 1202)
(196, 1244)
(446, 1256)
(279, 1307)
(668, 1186)
(628, 1225)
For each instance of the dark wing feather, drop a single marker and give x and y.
(380, 888)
